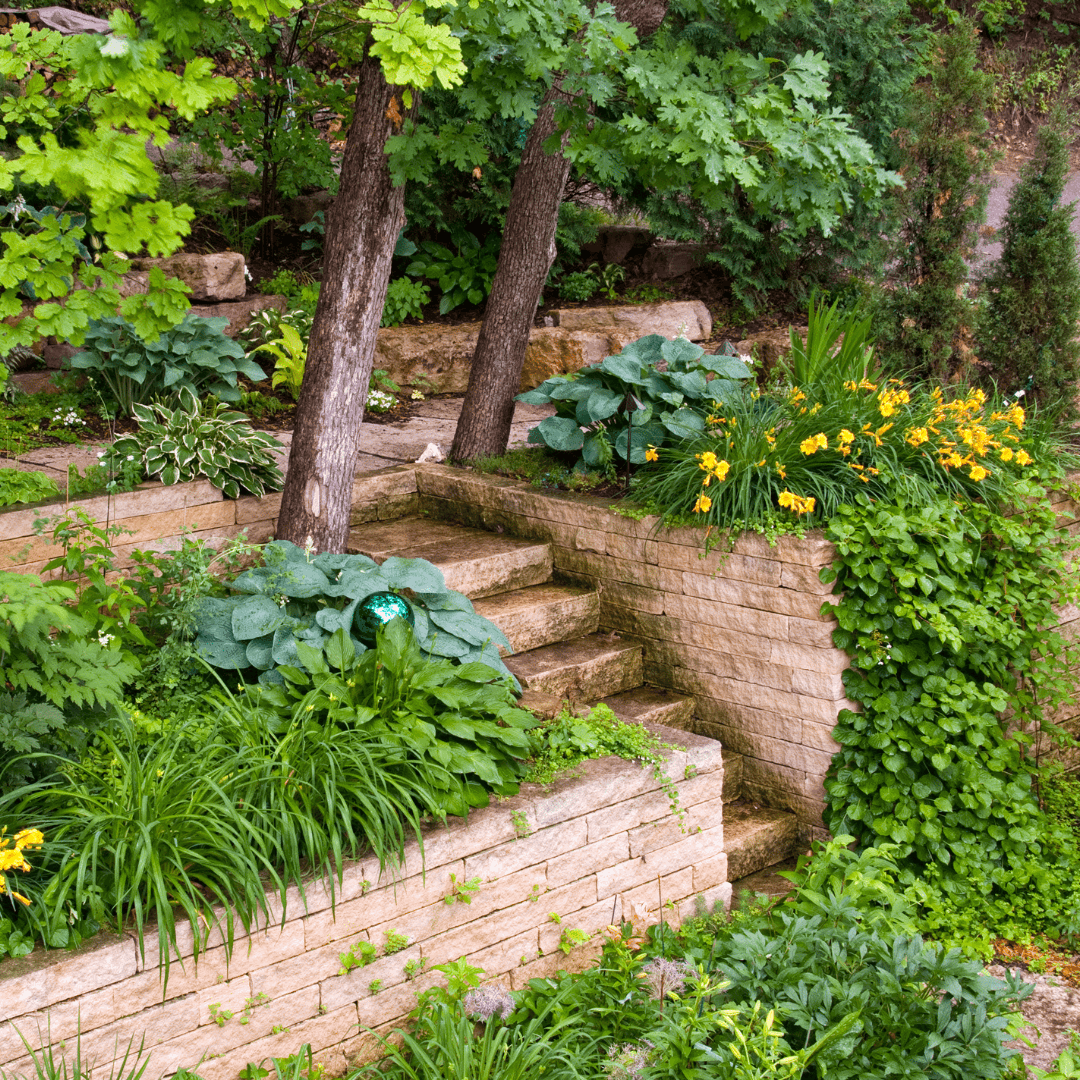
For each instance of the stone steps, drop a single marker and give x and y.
(559, 656)
(473, 561)
(650, 705)
(581, 669)
(756, 837)
(542, 614)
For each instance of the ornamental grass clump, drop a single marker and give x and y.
(800, 456)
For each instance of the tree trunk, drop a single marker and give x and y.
(526, 255)
(361, 229)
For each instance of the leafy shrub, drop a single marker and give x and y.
(1028, 334)
(196, 356)
(580, 286)
(458, 723)
(464, 275)
(17, 486)
(840, 950)
(196, 439)
(590, 404)
(405, 299)
(53, 672)
(295, 598)
(947, 159)
(283, 283)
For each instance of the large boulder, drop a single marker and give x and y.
(210, 277)
(439, 357)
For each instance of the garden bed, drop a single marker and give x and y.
(507, 888)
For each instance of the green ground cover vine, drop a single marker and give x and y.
(947, 616)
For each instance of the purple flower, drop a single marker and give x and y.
(488, 1001)
(629, 1061)
(666, 976)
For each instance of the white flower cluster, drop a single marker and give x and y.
(69, 418)
(380, 401)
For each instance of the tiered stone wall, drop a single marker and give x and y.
(594, 849)
(743, 631)
(157, 517)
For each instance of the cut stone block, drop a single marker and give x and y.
(542, 614)
(756, 837)
(649, 705)
(733, 776)
(474, 562)
(583, 669)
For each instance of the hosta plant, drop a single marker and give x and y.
(200, 440)
(196, 356)
(666, 385)
(295, 597)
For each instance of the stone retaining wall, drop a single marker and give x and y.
(741, 631)
(590, 849)
(157, 517)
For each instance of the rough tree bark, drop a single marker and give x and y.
(361, 228)
(526, 255)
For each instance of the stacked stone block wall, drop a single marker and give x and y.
(157, 517)
(594, 849)
(747, 632)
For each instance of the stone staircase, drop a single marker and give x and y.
(559, 653)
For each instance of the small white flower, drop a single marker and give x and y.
(104, 639)
(1020, 394)
(131, 457)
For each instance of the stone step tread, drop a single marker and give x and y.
(542, 614)
(473, 561)
(766, 882)
(650, 705)
(581, 669)
(756, 837)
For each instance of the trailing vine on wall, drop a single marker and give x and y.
(944, 613)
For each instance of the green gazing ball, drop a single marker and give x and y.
(377, 610)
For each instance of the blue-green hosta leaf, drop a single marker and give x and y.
(472, 628)
(558, 432)
(626, 368)
(652, 433)
(416, 574)
(599, 405)
(302, 581)
(729, 367)
(330, 619)
(256, 616)
(691, 383)
(681, 353)
(260, 652)
(441, 643)
(684, 423)
(227, 655)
